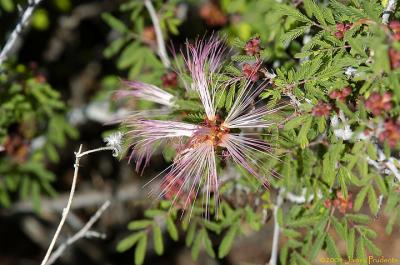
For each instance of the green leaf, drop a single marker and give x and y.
(317, 246)
(315, 10)
(372, 247)
(40, 19)
(158, 240)
(295, 122)
(361, 254)
(350, 243)
(129, 241)
(331, 247)
(171, 228)
(341, 177)
(8, 5)
(36, 195)
(302, 136)
(190, 234)
(208, 244)
(300, 259)
(140, 224)
(227, 241)
(114, 23)
(368, 232)
(128, 56)
(220, 98)
(340, 229)
(293, 13)
(196, 246)
(283, 253)
(114, 48)
(212, 226)
(373, 200)
(359, 218)
(140, 251)
(304, 221)
(360, 198)
(292, 34)
(25, 187)
(151, 213)
(230, 97)
(290, 232)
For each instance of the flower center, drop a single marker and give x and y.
(216, 130)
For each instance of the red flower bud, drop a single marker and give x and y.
(341, 29)
(321, 109)
(391, 133)
(394, 26)
(169, 79)
(394, 57)
(252, 47)
(341, 203)
(340, 94)
(377, 103)
(251, 71)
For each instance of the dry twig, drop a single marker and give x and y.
(23, 22)
(162, 51)
(84, 232)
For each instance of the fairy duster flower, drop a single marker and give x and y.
(198, 146)
(114, 140)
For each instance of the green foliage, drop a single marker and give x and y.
(32, 127)
(134, 46)
(337, 160)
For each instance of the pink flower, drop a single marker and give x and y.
(194, 169)
(145, 91)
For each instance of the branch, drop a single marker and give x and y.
(84, 232)
(162, 51)
(390, 8)
(385, 165)
(78, 156)
(275, 239)
(299, 199)
(18, 29)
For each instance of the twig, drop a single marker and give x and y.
(162, 51)
(84, 232)
(18, 29)
(389, 9)
(299, 199)
(78, 156)
(275, 239)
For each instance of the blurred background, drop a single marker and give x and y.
(59, 84)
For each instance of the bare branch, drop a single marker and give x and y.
(300, 199)
(389, 9)
(162, 51)
(78, 156)
(275, 239)
(84, 232)
(12, 40)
